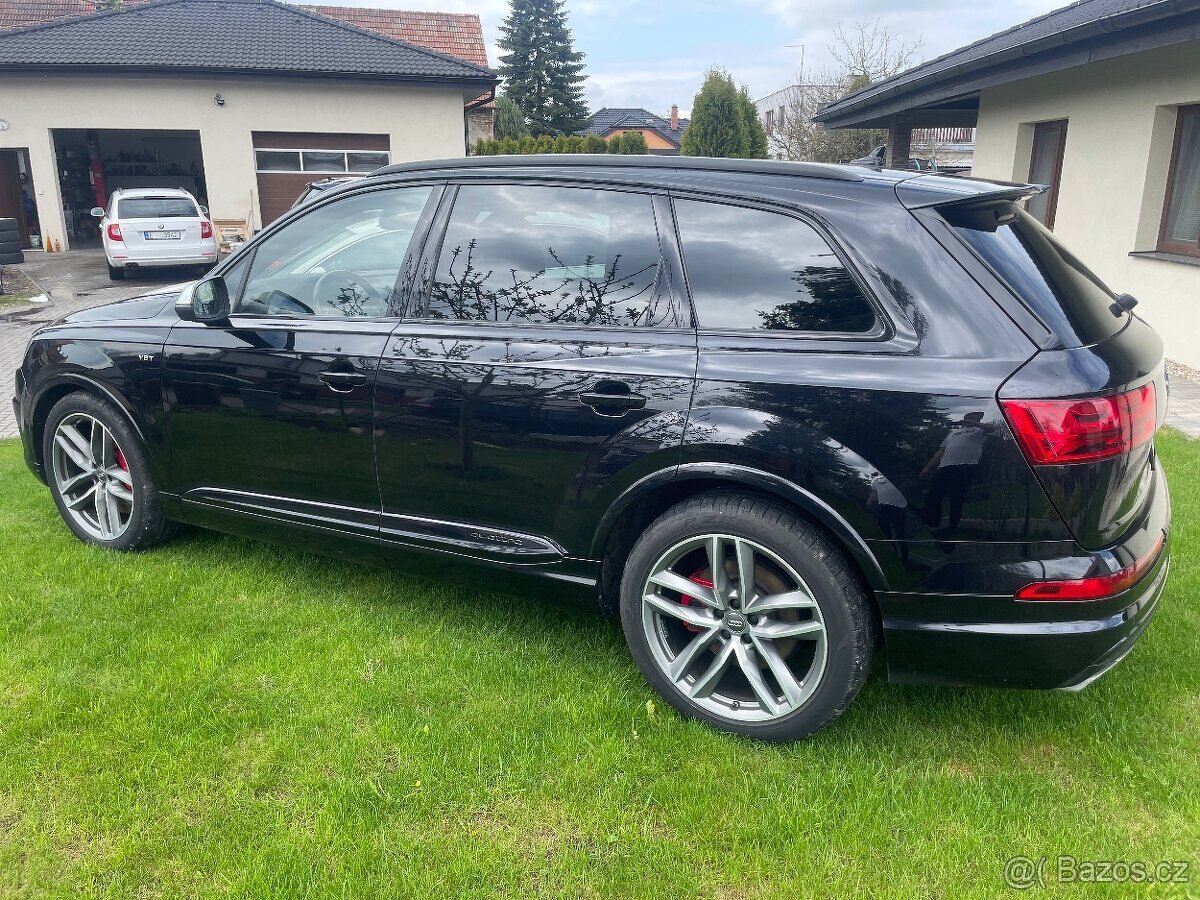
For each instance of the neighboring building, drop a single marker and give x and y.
(242, 102)
(663, 136)
(773, 111)
(950, 147)
(1099, 100)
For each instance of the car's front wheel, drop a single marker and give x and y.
(100, 476)
(742, 614)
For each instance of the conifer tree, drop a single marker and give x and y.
(756, 135)
(542, 71)
(509, 121)
(718, 124)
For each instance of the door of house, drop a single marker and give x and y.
(10, 193)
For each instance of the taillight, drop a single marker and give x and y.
(114, 232)
(205, 228)
(1061, 432)
(1096, 587)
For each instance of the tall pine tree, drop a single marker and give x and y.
(542, 72)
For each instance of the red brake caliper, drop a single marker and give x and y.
(121, 459)
(692, 601)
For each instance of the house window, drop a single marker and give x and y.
(1181, 219)
(770, 129)
(779, 118)
(1045, 167)
(320, 162)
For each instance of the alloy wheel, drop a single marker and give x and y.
(92, 476)
(734, 627)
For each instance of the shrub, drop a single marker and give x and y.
(634, 143)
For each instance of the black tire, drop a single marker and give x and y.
(12, 259)
(7, 245)
(147, 523)
(115, 273)
(843, 605)
(8, 226)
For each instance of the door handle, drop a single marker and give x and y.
(342, 382)
(612, 403)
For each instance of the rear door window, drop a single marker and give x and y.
(156, 208)
(750, 269)
(531, 254)
(1058, 288)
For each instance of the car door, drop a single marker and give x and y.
(547, 364)
(269, 414)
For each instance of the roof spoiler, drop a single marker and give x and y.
(935, 190)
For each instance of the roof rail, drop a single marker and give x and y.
(615, 161)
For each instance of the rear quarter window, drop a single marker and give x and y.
(1059, 289)
(755, 270)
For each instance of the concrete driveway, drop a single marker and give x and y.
(74, 280)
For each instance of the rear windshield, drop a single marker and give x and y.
(156, 208)
(1057, 287)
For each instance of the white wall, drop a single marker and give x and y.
(423, 123)
(1120, 126)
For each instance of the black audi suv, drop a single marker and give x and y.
(775, 417)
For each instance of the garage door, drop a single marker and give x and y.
(286, 162)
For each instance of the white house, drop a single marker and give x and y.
(1100, 101)
(241, 101)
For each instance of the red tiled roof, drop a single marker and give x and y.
(456, 34)
(20, 13)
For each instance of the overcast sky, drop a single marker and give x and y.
(652, 53)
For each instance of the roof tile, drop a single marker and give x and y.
(232, 35)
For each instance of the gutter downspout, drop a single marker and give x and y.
(467, 110)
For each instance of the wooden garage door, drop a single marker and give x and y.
(288, 161)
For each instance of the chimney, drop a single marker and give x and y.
(674, 117)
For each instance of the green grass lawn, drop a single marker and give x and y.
(223, 718)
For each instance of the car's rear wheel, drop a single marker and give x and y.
(99, 475)
(746, 616)
(116, 273)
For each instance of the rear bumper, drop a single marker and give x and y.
(192, 259)
(1003, 642)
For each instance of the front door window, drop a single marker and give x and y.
(341, 260)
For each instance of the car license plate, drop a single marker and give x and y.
(163, 235)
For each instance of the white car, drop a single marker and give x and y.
(147, 227)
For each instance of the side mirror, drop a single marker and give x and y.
(204, 210)
(205, 301)
(97, 212)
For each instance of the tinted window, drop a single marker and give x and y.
(1057, 287)
(749, 269)
(156, 208)
(341, 259)
(365, 160)
(277, 160)
(572, 256)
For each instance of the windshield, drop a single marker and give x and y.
(156, 208)
(1045, 275)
